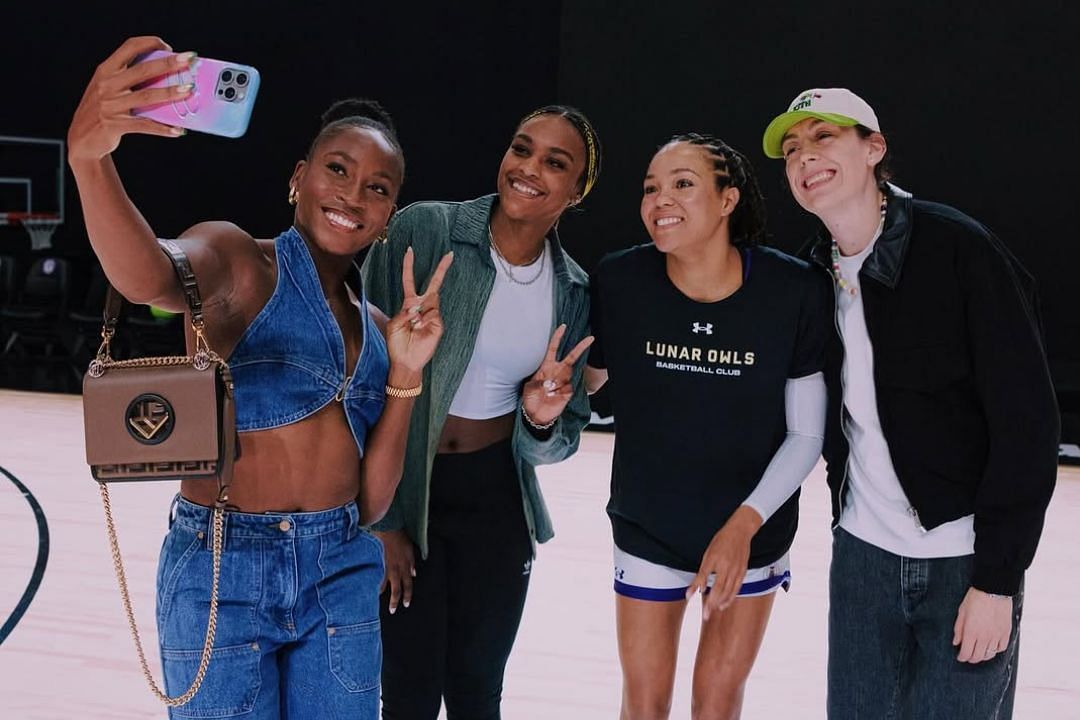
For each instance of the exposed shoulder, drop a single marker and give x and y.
(380, 318)
(218, 232)
(230, 265)
(226, 241)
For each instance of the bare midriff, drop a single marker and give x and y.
(463, 435)
(305, 466)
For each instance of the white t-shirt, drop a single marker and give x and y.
(511, 341)
(876, 510)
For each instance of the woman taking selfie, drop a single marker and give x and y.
(324, 386)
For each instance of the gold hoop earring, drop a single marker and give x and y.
(293, 195)
(382, 237)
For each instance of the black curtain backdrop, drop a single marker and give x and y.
(979, 104)
(455, 76)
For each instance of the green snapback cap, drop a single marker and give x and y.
(838, 106)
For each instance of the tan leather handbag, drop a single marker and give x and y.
(162, 418)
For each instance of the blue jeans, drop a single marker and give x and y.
(891, 655)
(298, 617)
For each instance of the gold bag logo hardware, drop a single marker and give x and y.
(150, 419)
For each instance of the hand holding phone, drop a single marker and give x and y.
(220, 101)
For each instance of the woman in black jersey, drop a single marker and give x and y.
(714, 345)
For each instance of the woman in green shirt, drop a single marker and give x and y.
(503, 393)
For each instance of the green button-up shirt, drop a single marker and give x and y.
(433, 229)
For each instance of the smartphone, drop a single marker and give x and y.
(220, 103)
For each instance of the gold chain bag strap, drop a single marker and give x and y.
(162, 418)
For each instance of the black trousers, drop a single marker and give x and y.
(453, 641)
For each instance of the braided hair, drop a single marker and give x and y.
(360, 113)
(733, 169)
(588, 137)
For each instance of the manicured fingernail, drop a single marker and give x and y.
(185, 58)
(178, 131)
(412, 571)
(406, 603)
(184, 89)
(393, 608)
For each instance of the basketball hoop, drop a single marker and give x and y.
(40, 227)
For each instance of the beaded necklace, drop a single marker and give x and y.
(845, 286)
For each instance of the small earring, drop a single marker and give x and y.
(293, 195)
(382, 237)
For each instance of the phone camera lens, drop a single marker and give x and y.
(226, 76)
(230, 93)
(241, 78)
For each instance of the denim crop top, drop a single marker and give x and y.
(290, 362)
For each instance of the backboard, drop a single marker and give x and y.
(32, 186)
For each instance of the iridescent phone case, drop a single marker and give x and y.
(220, 104)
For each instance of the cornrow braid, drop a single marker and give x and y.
(732, 168)
(593, 151)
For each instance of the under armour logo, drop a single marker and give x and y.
(619, 573)
(702, 328)
(528, 567)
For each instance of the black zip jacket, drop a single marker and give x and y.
(963, 391)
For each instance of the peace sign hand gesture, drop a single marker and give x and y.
(545, 395)
(413, 334)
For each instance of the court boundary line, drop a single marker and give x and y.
(39, 564)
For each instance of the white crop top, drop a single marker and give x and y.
(511, 342)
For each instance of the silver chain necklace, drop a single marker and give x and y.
(508, 267)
